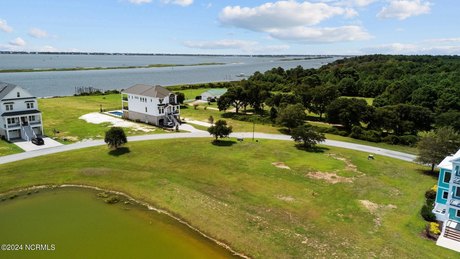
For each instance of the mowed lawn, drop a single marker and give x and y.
(62, 114)
(234, 193)
(8, 148)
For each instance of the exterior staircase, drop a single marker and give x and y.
(27, 132)
(452, 233)
(172, 119)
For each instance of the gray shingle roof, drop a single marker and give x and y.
(5, 88)
(148, 90)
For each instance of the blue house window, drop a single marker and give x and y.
(457, 214)
(445, 194)
(457, 192)
(446, 177)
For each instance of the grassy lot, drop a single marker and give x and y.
(192, 93)
(62, 114)
(235, 194)
(7, 148)
(201, 114)
(400, 148)
(369, 100)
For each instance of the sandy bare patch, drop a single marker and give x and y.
(281, 165)
(374, 207)
(349, 165)
(329, 177)
(285, 198)
(376, 210)
(98, 118)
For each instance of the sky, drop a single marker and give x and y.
(326, 27)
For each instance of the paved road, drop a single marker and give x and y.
(202, 134)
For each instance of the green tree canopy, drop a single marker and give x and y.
(307, 135)
(220, 129)
(348, 112)
(292, 116)
(321, 97)
(115, 137)
(235, 96)
(434, 146)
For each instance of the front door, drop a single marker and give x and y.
(24, 120)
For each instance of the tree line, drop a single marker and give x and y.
(412, 94)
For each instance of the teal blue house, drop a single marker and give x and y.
(447, 204)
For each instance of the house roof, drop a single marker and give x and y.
(6, 114)
(447, 162)
(148, 90)
(217, 91)
(5, 88)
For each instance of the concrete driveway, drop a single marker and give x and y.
(29, 146)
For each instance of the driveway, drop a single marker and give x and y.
(28, 146)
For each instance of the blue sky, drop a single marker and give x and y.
(232, 27)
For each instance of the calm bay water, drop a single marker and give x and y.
(64, 82)
(80, 225)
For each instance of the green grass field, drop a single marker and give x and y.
(234, 193)
(8, 148)
(63, 115)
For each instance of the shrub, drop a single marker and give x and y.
(371, 135)
(430, 194)
(427, 214)
(434, 228)
(356, 132)
(409, 140)
(391, 139)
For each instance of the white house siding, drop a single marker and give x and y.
(22, 102)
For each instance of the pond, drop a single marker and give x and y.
(79, 223)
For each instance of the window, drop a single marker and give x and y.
(457, 191)
(445, 194)
(447, 177)
(11, 121)
(145, 109)
(32, 118)
(457, 214)
(18, 94)
(9, 107)
(30, 105)
(161, 110)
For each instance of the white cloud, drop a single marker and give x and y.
(403, 9)
(242, 45)
(18, 42)
(281, 14)
(4, 26)
(178, 2)
(413, 49)
(48, 48)
(444, 40)
(220, 44)
(322, 35)
(363, 3)
(139, 2)
(293, 21)
(38, 33)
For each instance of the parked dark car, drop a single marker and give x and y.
(38, 141)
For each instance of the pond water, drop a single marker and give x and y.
(76, 223)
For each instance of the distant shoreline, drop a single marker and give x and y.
(169, 54)
(28, 70)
